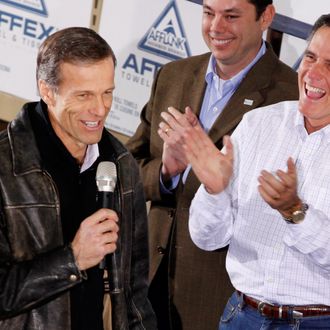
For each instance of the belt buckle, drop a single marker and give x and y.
(261, 306)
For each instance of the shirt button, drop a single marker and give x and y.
(160, 250)
(170, 213)
(215, 109)
(73, 278)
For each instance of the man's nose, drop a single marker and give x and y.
(218, 24)
(100, 106)
(316, 71)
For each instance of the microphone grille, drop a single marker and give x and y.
(106, 176)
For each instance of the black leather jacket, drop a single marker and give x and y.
(36, 268)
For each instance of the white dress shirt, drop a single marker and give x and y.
(92, 153)
(269, 259)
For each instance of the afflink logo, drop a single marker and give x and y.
(167, 37)
(34, 6)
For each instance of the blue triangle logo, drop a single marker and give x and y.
(166, 37)
(32, 6)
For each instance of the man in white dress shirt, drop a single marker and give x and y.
(267, 195)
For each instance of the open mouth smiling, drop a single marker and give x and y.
(314, 92)
(91, 124)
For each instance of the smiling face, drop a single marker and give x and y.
(232, 33)
(314, 81)
(79, 106)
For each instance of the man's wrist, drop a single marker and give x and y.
(296, 214)
(287, 213)
(165, 175)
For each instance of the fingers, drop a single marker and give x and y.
(175, 122)
(163, 132)
(191, 117)
(171, 132)
(266, 190)
(199, 148)
(291, 167)
(229, 149)
(180, 119)
(197, 144)
(270, 184)
(96, 237)
(171, 121)
(279, 189)
(279, 181)
(103, 220)
(212, 167)
(266, 196)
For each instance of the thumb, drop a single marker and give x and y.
(291, 166)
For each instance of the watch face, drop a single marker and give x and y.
(298, 216)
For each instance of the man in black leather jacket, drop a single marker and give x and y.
(53, 233)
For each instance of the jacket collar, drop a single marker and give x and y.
(198, 85)
(23, 146)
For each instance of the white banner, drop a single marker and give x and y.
(145, 35)
(24, 24)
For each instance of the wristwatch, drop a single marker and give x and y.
(298, 213)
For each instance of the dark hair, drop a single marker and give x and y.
(260, 5)
(71, 45)
(323, 20)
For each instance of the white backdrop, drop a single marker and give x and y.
(136, 29)
(303, 10)
(144, 35)
(23, 26)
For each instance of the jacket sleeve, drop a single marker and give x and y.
(140, 313)
(26, 284)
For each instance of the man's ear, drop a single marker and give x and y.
(267, 17)
(46, 92)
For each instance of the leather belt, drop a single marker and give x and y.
(285, 311)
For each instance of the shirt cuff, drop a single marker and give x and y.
(299, 234)
(212, 200)
(173, 183)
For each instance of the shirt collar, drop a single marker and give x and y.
(236, 80)
(299, 124)
(92, 153)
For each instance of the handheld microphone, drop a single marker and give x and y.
(106, 179)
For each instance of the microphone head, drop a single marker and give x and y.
(106, 176)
